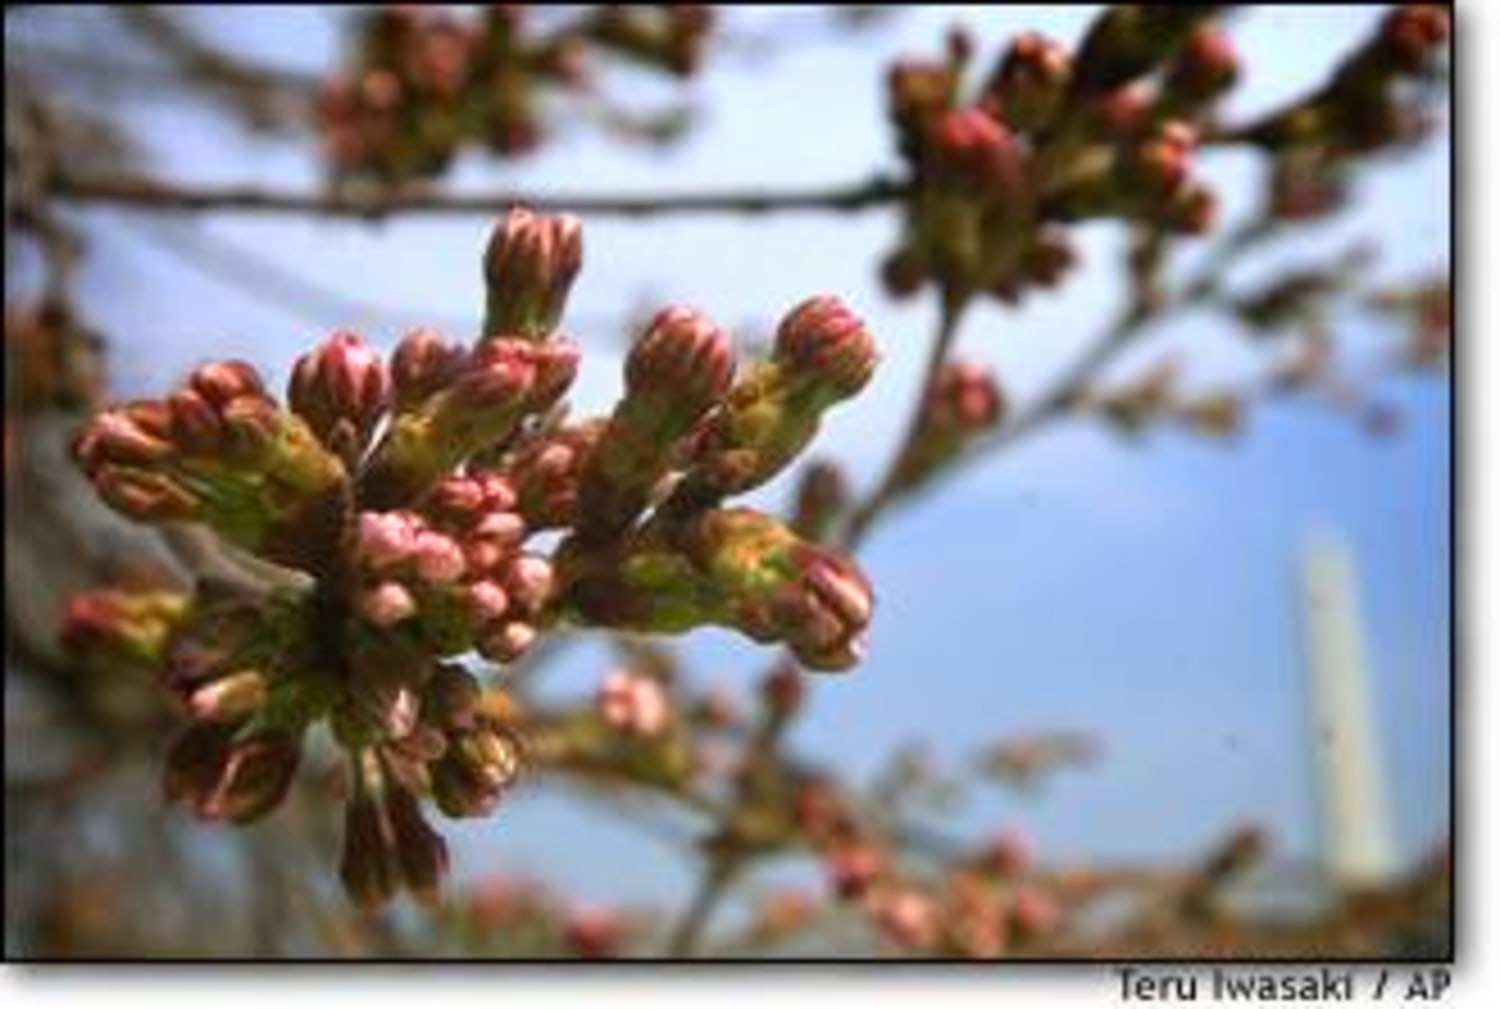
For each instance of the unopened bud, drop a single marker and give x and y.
(231, 699)
(422, 365)
(822, 341)
(529, 267)
(344, 379)
(1031, 82)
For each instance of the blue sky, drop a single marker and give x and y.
(1141, 591)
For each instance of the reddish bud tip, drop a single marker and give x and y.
(822, 340)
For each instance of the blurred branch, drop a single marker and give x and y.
(149, 194)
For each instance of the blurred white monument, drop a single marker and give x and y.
(1357, 843)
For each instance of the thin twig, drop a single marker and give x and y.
(154, 194)
(886, 490)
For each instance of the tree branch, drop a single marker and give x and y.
(157, 195)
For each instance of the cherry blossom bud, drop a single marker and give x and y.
(508, 642)
(634, 704)
(423, 364)
(222, 382)
(679, 367)
(488, 602)
(116, 436)
(344, 379)
(822, 341)
(964, 402)
(387, 604)
(477, 768)
(1128, 41)
(783, 690)
(907, 916)
(115, 628)
(438, 558)
(1031, 82)
(594, 933)
(529, 581)
(529, 267)
(676, 372)
(546, 473)
(822, 497)
(421, 855)
(1411, 33)
(366, 868)
(231, 699)
(228, 778)
(1207, 68)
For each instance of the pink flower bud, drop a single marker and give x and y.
(499, 376)
(970, 152)
(146, 497)
(385, 539)
(423, 364)
(508, 642)
(1411, 33)
(1032, 81)
(908, 916)
(343, 379)
(594, 933)
(683, 359)
(488, 602)
(438, 558)
(197, 426)
(529, 581)
(227, 779)
(824, 341)
(1207, 67)
(529, 268)
(230, 699)
(634, 704)
(366, 866)
(222, 382)
(115, 437)
(387, 604)
(421, 855)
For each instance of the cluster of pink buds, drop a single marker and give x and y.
(427, 82)
(964, 402)
(403, 498)
(1052, 138)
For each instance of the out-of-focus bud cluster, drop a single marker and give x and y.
(963, 403)
(1050, 138)
(516, 917)
(1378, 99)
(1426, 308)
(121, 630)
(405, 495)
(424, 83)
(1154, 396)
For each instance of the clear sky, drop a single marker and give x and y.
(1141, 591)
